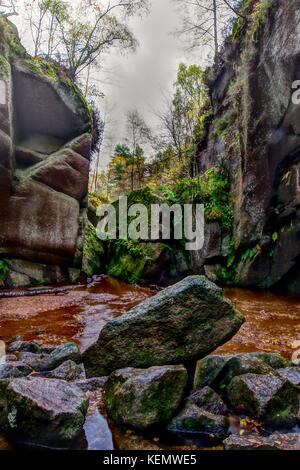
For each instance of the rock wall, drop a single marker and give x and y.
(255, 134)
(45, 145)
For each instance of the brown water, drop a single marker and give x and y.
(78, 314)
(273, 324)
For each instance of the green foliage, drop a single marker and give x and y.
(4, 270)
(93, 252)
(211, 189)
(249, 254)
(128, 259)
(223, 125)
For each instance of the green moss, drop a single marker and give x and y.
(4, 67)
(128, 259)
(10, 40)
(223, 125)
(93, 252)
(4, 270)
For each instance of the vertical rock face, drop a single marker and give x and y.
(45, 145)
(255, 134)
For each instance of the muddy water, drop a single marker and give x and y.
(77, 315)
(273, 324)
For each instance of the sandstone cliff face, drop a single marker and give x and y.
(255, 134)
(45, 145)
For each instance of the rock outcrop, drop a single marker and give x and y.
(180, 324)
(254, 133)
(45, 146)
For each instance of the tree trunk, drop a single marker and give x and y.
(215, 11)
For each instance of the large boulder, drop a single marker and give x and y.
(182, 323)
(268, 397)
(42, 411)
(142, 398)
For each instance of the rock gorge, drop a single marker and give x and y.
(250, 138)
(45, 147)
(253, 131)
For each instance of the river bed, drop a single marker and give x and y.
(79, 314)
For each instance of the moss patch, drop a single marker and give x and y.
(93, 253)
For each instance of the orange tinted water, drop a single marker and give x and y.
(273, 324)
(78, 314)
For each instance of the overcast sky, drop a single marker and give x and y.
(141, 79)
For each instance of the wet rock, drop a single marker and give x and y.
(209, 368)
(36, 361)
(89, 385)
(198, 421)
(65, 352)
(272, 359)
(240, 365)
(23, 346)
(10, 358)
(142, 398)
(209, 400)
(266, 397)
(276, 441)
(68, 371)
(14, 370)
(43, 411)
(290, 373)
(48, 362)
(182, 323)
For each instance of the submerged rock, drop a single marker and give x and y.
(182, 323)
(209, 400)
(193, 420)
(267, 397)
(142, 398)
(42, 411)
(276, 441)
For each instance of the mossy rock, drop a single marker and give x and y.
(142, 398)
(134, 261)
(196, 421)
(267, 397)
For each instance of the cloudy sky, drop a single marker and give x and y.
(141, 79)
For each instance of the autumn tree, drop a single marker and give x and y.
(77, 35)
(182, 118)
(138, 133)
